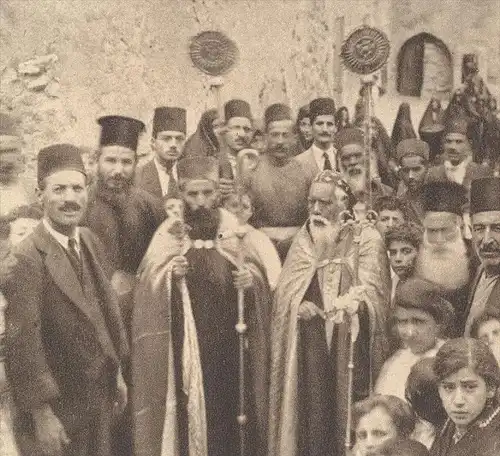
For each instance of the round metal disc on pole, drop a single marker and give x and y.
(365, 50)
(213, 52)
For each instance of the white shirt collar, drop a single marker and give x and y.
(62, 239)
(319, 158)
(163, 175)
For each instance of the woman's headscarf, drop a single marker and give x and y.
(203, 141)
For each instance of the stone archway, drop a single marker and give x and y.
(425, 67)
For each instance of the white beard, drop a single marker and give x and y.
(357, 182)
(323, 237)
(448, 267)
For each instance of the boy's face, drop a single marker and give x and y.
(174, 207)
(489, 333)
(417, 329)
(402, 256)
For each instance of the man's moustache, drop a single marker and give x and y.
(71, 207)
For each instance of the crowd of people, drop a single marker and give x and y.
(302, 286)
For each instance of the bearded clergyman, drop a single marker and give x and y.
(445, 257)
(332, 270)
(185, 356)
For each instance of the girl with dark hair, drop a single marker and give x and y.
(468, 378)
(378, 419)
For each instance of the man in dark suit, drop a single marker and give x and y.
(66, 340)
(485, 210)
(159, 175)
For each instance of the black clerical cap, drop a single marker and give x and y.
(169, 119)
(120, 131)
(321, 107)
(444, 196)
(277, 112)
(485, 195)
(458, 124)
(59, 157)
(237, 108)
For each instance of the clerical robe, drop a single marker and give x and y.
(309, 359)
(185, 348)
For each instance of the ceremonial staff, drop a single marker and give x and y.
(215, 54)
(365, 51)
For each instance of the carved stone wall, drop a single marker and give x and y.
(63, 63)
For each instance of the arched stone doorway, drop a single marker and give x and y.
(425, 67)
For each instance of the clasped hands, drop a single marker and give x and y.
(347, 303)
(242, 278)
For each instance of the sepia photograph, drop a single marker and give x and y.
(249, 228)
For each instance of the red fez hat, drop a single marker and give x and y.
(237, 108)
(169, 119)
(120, 131)
(321, 107)
(277, 112)
(412, 146)
(58, 157)
(198, 168)
(348, 136)
(458, 124)
(485, 195)
(444, 196)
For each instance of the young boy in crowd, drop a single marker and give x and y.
(487, 329)
(421, 318)
(391, 213)
(402, 243)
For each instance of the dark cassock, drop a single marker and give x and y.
(445, 257)
(124, 219)
(65, 337)
(485, 212)
(185, 355)
(277, 186)
(309, 357)
(159, 175)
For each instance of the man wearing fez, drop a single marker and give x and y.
(14, 190)
(65, 333)
(159, 176)
(123, 216)
(352, 163)
(277, 186)
(458, 154)
(237, 136)
(445, 257)
(185, 355)
(485, 210)
(310, 335)
(322, 154)
(412, 162)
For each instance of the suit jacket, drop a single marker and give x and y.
(308, 162)
(55, 353)
(493, 302)
(147, 179)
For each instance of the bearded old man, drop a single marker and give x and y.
(445, 257)
(185, 355)
(485, 210)
(310, 334)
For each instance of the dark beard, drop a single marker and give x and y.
(203, 223)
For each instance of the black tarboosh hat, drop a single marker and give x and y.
(169, 119)
(120, 131)
(485, 195)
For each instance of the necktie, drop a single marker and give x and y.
(327, 165)
(172, 184)
(74, 257)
